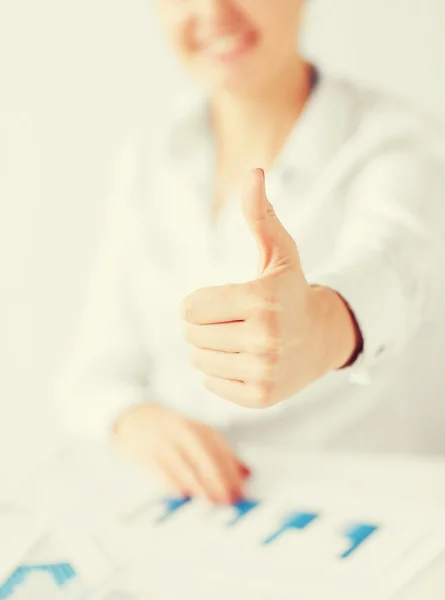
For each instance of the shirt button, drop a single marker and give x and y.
(288, 176)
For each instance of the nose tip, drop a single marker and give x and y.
(221, 12)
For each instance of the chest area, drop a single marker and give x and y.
(187, 249)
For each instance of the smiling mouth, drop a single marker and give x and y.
(229, 47)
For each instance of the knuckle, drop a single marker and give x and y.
(190, 307)
(264, 371)
(260, 294)
(266, 292)
(274, 352)
(251, 289)
(187, 311)
(265, 302)
(264, 344)
(258, 343)
(263, 395)
(268, 318)
(266, 311)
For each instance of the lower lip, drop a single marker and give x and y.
(241, 50)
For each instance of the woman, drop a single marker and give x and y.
(318, 336)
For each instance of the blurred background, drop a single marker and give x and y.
(74, 77)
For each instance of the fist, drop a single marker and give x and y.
(262, 341)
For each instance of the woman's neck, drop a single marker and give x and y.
(251, 129)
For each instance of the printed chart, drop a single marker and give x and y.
(306, 545)
(63, 565)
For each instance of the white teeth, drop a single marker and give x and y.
(225, 45)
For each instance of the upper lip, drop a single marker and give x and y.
(208, 41)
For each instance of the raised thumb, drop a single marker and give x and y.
(276, 246)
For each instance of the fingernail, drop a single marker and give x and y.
(256, 175)
(245, 471)
(236, 496)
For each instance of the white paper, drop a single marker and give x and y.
(18, 534)
(196, 543)
(63, 565)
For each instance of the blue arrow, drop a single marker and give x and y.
(298, 521)
(60, 572)
(358, 534)
(242, 508)
(171, 506)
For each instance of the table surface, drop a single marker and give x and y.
(417, 483)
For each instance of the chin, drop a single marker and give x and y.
(236, 83)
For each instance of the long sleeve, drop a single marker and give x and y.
(105, 373)
(388, 259)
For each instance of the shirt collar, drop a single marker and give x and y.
(320, 131)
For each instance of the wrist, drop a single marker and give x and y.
(339, 340)
(124, 427)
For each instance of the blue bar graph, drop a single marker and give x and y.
(171, 506)
(357, 534)
(296, 521)
(242, 508)
(61, 573)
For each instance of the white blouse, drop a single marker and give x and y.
(360, 185)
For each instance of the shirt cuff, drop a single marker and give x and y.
(94, 413)
(375, 297)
